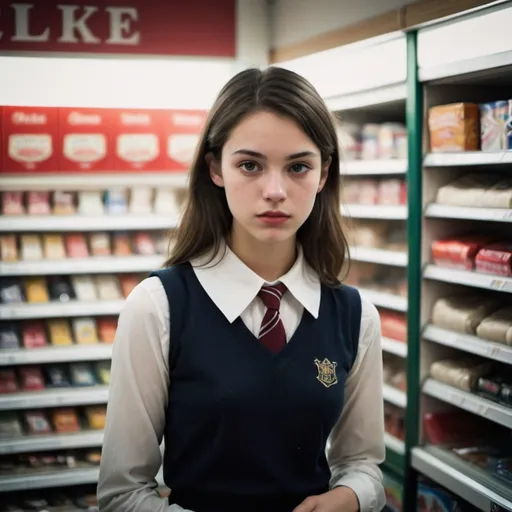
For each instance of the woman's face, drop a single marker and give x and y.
(271, 172)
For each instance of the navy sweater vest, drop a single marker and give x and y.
(246, 429)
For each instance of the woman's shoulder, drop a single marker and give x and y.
(147, 298)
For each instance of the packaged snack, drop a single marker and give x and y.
(393, 326)
(9, 338)
(454, 127)
(31, 248)
(10, 425)
(8, 382)
(63, 203)
(60, 333)
(84, 288)
(458, 253)
(100, 244)
(368, 191)
(495, 259)
(31, 378)
(82, 375)
(122, 245)
(128, 283)
(96, 417)
(103, 372)
(107, 328)
(462, 373)
(497, 326)
(370, 142)
(392, 192)
(54, 247)
(65, 420)
(34, 334)
(90, 202)
(56, 376)
(12, 203)
(35, 289)
(107, 287)
(84, 330)
(392, 141)
(11, 291)
(60, 289)
(144, 244)
(38, 203)
(116, 201)
(37, 423)
(493, 122)
(141, 200)
(76, 246)
(8, 248)
(166, 202)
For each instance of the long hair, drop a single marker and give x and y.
(206, 221)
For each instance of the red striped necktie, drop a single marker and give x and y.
(272, 333)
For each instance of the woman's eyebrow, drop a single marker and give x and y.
(257, 154)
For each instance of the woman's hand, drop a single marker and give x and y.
(339, 499)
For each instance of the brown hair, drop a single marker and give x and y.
(206, 221)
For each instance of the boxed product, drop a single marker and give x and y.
(138, 140)
(84, 330)
(12, 203)
(107, 329)
(370, 142)
(76, 245)
(392, 140)
(182, 130)
(454, 127)
(85, 137)
(8, 248)
(38, 202)
(495, 259)
(37, 422)
(29, 139)
(34, 334)
(494, 117)
(31, 378)
(31, 248)
(458, 253)
(65, 420)
(60, 332)
(9, 338)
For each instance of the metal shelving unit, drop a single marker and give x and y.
(381, 256)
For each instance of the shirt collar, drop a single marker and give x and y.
(232, 285)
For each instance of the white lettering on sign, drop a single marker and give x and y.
(70, 24)
(120, 26)
(135, 119)
(22, 26)
(188, 120)
(22, 118)
(77, 118)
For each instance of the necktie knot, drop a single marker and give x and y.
(272, 295)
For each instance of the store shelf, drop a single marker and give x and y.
(394, 444)
(376, 96)
(394, 347)
(51, 442)
(373, 167)
(468, 278)
(469, 402)
(442, 211)
(385, 300)
(60, 309)
(472, 158)
(92, 265)
(364, 211)
(468, 343)
(54, 398)
(53, 354)
(461, 478)
(73, 181)
(381, 256)
(66, 223)
(394, 396)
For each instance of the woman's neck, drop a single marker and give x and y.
(269, 261)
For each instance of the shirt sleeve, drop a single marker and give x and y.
(137, 404)
(356, 444)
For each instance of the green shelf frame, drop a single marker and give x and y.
(394, 465)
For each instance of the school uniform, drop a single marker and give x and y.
(245, 423)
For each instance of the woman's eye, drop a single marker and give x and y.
(249, 166)
(299, 168)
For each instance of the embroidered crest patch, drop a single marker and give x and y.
(326, 372)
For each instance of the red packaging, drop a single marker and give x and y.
(76, 246)
(128, 283)
(107, 328)
(459, 253)
(144, 244)
(8, 382)
(182, 131)
(392, 192)
(12, 203)
(85, 139)
(495, 259)
(34, 334)
(38, 202)
(30, 139)
(138, 140)
(393, 326)
(368, 192)
(31, 378)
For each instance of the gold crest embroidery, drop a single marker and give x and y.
(326, 372)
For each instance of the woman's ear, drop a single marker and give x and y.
(325, 174)
(215, 169)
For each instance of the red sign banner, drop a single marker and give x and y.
(128, 27)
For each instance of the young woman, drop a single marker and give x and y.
(261, 371)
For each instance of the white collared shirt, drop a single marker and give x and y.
(140, 380)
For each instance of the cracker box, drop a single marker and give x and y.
(182, 130)
(493, 123)
(29, 139)
(138, 140)
(454, 127)
(85, 139)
